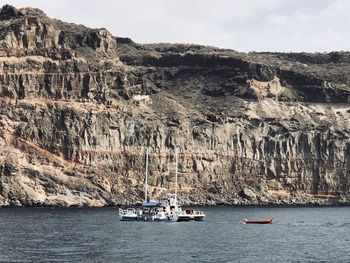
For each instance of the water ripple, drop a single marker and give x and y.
(97, 235)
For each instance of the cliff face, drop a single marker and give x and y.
(79, 107)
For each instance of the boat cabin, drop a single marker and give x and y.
(153, 210)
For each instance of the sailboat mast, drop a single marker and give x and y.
(176, 176)
(146, 183)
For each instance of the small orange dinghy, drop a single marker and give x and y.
(258, 221)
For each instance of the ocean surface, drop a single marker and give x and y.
(307, 234)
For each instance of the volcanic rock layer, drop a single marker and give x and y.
(79, 108)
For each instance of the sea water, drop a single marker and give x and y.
(298, 234)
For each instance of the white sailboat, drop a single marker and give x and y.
(132, 214)
(176, 212)
(167, 209)
(152, 210)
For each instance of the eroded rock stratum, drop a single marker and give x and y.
(79, 107)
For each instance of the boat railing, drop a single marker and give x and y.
(193, 212)
(121, 211)
(128, 211)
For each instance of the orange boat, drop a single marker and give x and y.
(258, 221)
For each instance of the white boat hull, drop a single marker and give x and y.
(184, 218)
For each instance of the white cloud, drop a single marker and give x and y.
(260, 25)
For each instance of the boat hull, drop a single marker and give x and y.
(184, 218)
(258, 221)
(128, 218)
(199, 218)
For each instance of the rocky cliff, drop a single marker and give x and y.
(79, 108)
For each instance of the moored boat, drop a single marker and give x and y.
(258, 221)
(166, 209)
(130, 214)
(154, 211)
(176, 213)
(190, 214)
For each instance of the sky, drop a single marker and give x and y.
(243, 25)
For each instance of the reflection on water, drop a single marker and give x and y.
(97, 235)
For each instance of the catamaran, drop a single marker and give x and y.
(152, 211)
(167, 209)
(176, 212)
